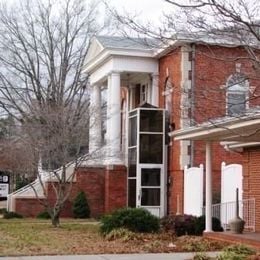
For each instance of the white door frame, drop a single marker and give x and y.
(156, 210)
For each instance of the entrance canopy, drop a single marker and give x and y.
(244, 130)
(236, 131)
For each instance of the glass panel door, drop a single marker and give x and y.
(149, 188)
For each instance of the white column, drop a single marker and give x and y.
(208, 227)
(108, 109)
(155, 90)
(114, 119)
(95, 135)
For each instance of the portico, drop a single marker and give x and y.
(233, 133)
(126, 73)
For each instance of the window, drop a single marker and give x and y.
(150, 187)
(236, 94)
(143, 93)
(168, 89)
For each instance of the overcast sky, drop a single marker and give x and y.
(149, 9)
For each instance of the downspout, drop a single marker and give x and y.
(192, 99)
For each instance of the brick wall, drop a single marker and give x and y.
(92, 182)
(28, 207)
(212, 67)
(251, 179)
(171, 64)
(115, 187)
(105, 189)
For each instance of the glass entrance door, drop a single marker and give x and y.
(150, 189)
(146, 159)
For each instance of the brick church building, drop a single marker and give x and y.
(138, 147)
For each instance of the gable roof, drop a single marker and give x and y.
(126, 43)
(103, 47)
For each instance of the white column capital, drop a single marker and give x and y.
(114, 73)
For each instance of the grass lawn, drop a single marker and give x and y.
(38, 237)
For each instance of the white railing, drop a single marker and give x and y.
(226, 211)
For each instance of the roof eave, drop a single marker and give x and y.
(109, 52)
(215, 132)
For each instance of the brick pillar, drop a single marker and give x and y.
(91, 180)
(115, 187)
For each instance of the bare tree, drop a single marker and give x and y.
(43, 45)
(210, 23)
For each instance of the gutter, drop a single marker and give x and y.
(192, 118)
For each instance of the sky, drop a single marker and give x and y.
(147, 9)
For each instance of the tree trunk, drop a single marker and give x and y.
(55, 219)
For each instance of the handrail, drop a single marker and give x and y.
(226, 211)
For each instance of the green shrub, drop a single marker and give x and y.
(236, 252)
(43, 215)
(188, 225)
(180, 224)
(200, 225)
(21, 182)
(80, 206)
(3, 210)
(10, 214)
(133, 219)
(184, 225)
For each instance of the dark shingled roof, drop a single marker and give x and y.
(128, 43)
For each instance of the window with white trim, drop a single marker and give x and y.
(143, 93)
(168, 89)
(237, 89)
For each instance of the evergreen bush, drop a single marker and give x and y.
(80, 206)
(3, 210)
(10, 214)
(179, 225)
(43, 215)
(133, 219)
(200, 225)
(188, 225)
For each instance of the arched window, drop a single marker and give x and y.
(237, 88)
(168, 89)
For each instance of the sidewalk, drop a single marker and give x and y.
(172, 256)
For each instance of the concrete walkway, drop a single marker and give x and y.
(172, 256)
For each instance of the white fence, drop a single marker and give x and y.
(231, 179)
(193, 190)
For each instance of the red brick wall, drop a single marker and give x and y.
(105, 189)
(172, 63)
(92, 182)
(213, 66)
(115, 187)
(28, 207)
(251, 179)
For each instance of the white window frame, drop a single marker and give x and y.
(143, 93)
(237, 89)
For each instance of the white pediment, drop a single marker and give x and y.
(94, 49)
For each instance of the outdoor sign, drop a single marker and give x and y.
(4, 185)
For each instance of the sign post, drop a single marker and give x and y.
(4, 186)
